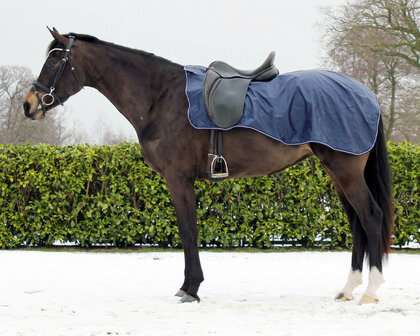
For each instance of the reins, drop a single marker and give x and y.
(50, 97)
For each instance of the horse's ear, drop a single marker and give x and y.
(57, 36)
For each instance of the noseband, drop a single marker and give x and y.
(49, 98)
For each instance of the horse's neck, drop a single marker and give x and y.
(133, 83)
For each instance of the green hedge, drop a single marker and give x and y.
(94, 195)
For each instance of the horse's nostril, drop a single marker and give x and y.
(27, 108)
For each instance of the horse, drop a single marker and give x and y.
(149, 91)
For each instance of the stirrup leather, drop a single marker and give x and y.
(217, 167)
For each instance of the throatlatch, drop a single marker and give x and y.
(216, 164)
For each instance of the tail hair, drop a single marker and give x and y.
(378, 178)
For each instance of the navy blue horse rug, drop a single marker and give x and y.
(300, 107)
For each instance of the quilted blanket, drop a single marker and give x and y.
(300, 107)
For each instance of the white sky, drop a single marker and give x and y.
(241, 32)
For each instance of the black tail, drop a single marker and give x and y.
(378, 179)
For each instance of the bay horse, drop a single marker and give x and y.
(150, 92)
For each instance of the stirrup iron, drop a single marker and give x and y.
(218, 167)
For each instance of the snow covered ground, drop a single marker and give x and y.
(100, 294)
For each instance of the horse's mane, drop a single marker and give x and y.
(95, 40)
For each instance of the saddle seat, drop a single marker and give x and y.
(263, 73)
(225, 89)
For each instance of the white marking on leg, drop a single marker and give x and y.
(375, 280)
(354, 280)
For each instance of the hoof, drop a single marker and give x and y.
(187, 298)
(368, 299)
(180, 293)
(342, 298)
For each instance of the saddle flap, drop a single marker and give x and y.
(209, 82)
(226, 101)
(225, 89)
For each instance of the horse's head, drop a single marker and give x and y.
(58, 79)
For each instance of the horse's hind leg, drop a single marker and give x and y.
(358, 249)
(347, 172)
(370, 216)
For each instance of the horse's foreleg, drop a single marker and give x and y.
(182, 192)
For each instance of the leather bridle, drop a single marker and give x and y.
(50, 97)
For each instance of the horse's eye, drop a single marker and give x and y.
(50, 63)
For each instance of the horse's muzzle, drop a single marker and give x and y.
(27, 109)
(31, 107)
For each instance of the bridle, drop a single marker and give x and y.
(50, 97)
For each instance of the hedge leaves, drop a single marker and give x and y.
(95, 195)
